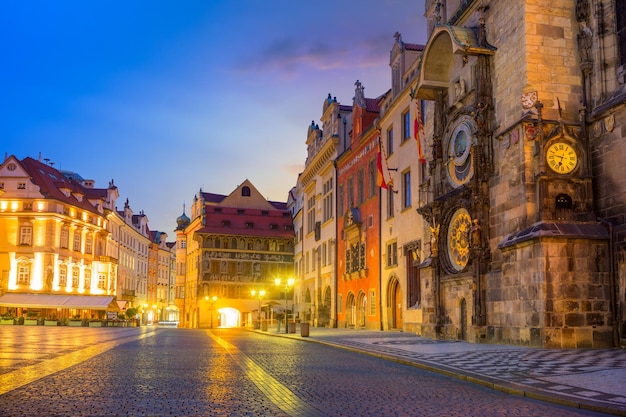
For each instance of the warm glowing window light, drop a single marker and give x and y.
(40, 205)
(4, 205)
(13, 205)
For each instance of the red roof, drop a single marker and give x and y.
(50, 182)
(248, 222)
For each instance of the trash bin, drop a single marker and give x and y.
(292, 327)
(304, 329)
(264, 326)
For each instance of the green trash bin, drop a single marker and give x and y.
(304, 329)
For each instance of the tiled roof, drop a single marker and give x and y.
(50, 182)
(371, 105)
(248, 222)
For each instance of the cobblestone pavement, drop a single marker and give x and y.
(592, 378)
(221, 372)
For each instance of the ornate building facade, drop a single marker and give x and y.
(53, 243)
(358, 220)
(526, 238)
(232, 245)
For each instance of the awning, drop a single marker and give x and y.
(80, 302)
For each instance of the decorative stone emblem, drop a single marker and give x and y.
(529, 99)
(530, 131)
(609, 123)
(597, 129)
(515, 136)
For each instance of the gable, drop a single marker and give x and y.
(246, 196)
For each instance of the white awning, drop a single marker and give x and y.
(80, 302)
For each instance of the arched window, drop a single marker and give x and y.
(245, 191)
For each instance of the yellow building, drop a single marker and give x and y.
(53, 243)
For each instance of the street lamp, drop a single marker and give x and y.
(213, 300)
(286, 287)
(259, 294)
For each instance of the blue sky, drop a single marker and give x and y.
(167, 97)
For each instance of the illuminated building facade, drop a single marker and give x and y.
(316, 232)
(53, 243)
(232, 245)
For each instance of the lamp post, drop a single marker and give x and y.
(286, 287)
(213, 300)
(259, 294)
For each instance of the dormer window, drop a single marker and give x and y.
(245, 191)
(249, 225)
(21, 185)
(226, 223)
(273, 226)
(241, 212)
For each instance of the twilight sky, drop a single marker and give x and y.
(167, 97)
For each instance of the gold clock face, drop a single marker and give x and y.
(561, 157)
(458, 239)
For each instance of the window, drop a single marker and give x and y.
(390, 141)
(88, 244)
(339, 303)
(313, 258)
(64, 238)
(23, 274)
(360, 186)
(87, 283)
(392, 254)
(21, 185)
(26, 235)
(62, 276)
(406, 125)
(76, 246)
(245, 191)
(324, 249)
(350, 193)
(390, 206)
(372, 303)
(340, 207)
(310, 214)
(328, 200)
(414, 285)
(371, 180)
(406, 189)
(75, 277)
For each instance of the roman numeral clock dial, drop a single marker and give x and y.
(562, 157)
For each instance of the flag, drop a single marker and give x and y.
(419, 128)
(379, 164)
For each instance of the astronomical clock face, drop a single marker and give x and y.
(458, 239)
(460, 167)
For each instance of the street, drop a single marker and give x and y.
(62, 371)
